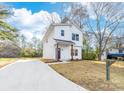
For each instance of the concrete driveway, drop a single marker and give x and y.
(33, 75)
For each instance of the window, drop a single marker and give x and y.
(76, 52)
(73, 36)
(62, 32)
(77, 37)
(120, 51)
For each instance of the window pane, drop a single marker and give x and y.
(73, 36)
(77, 37)
(120, 51)
(76, 52)
(62, 32)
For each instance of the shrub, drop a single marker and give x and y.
(28, 52)
(39, 53)
(89, 55)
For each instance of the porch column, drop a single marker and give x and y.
(57, 52)
(72, 52)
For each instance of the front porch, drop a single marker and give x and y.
(64, 50)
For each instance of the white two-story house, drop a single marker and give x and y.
(63, 41)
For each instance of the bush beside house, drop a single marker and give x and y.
(30, 52)
(88, 55)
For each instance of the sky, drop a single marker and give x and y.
(33, 18)
(37, 6)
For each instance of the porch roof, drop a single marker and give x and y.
(66, 42)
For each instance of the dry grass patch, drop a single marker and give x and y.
(6, 61)
(47, 60)
(91, 75)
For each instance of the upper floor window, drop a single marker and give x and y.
(62, 32)
(75, 37)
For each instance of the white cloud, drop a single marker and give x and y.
(68, 9)
(31, 24)
(89, 9)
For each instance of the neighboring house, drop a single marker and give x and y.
(112, 51)
(63, 41)
(116, 50)
(118, 47)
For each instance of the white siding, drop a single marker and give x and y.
(49, 47)
(67, 32)
(79, 56)
(77, 31)
(114, 51)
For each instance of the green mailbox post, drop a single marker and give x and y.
(112, 58)
(108, 65)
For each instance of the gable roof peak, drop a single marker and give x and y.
(67, 19)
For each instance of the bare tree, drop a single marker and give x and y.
(107, 18)
(75, 12)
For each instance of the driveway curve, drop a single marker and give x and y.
(33, 76)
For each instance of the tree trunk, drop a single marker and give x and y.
(100, 52)
(99, 56)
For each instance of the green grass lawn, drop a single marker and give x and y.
(91, 74)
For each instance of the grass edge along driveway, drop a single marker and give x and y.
(6, 61)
